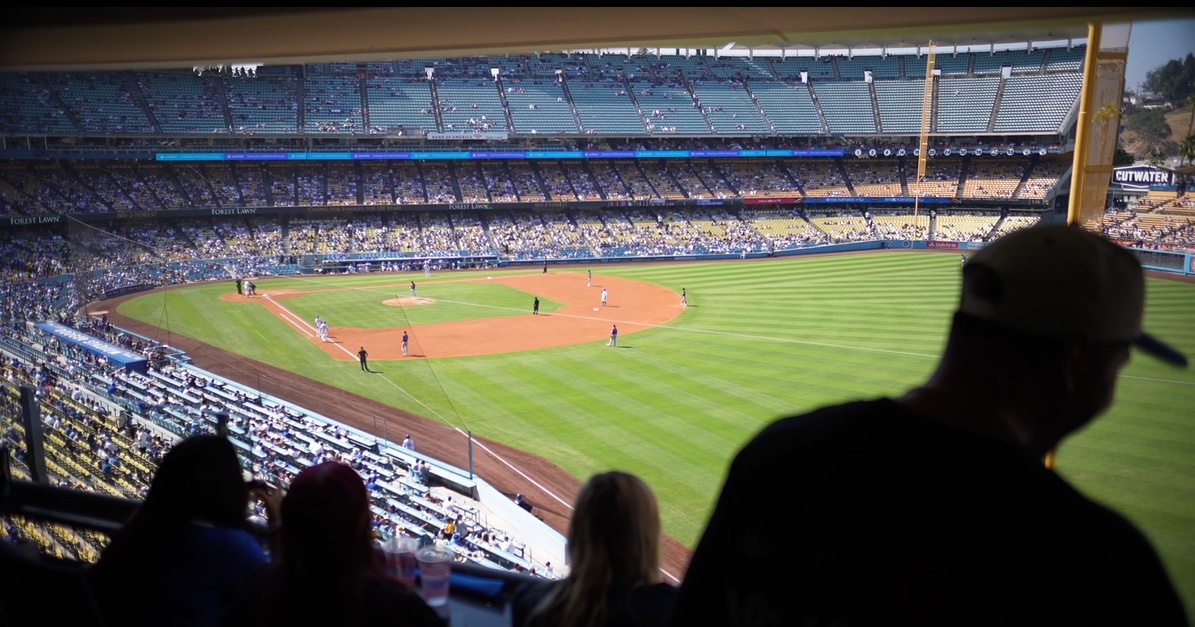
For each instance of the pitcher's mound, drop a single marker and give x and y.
(407, 302)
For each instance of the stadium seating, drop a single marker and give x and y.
(846, 106)
(574, 94)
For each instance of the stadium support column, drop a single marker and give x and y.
(1098, 120)
(31, 420)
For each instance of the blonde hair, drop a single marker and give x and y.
(614, 533)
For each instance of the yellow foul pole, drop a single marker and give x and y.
(1083, 124)
(927, 112)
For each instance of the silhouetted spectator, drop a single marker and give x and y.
(188, 545)
(940, 507)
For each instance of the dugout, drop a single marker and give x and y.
(364, 263)
(117, 356)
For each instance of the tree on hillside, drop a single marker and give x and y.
(1174, 80)
(1186, 149)
(1104, 122)
(1191, 124)
(1150, 126)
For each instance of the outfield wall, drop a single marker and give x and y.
(1173, 261)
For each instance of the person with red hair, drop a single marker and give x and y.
(325, 568)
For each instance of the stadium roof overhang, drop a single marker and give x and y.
(71, 38)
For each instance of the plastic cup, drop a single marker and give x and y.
(400, 558)
(435, 567)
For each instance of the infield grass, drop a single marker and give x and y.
(759, 340)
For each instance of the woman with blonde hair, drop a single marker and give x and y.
(614, 554)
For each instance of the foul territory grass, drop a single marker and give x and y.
(674, 403)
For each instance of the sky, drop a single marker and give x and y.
(1152, 44)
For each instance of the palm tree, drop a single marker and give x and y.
(1186, 149)
(1191, 124)
(1105, 117)
(1106, 113)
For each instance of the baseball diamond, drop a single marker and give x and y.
(642, 306)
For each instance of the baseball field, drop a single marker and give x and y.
(686, 385)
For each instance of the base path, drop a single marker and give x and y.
(633, 306)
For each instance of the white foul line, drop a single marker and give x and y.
(301, 324)
(502, 460)
(538, 485)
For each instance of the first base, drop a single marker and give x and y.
(595, 308)
(490, 278)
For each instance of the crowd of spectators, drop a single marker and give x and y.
(1159, 231)
(92, 262)
(59, 187)
(50, 269)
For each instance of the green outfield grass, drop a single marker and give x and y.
(758, 341)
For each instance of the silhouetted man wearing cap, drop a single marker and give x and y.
(935, 508)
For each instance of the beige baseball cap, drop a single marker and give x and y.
(1061, 282)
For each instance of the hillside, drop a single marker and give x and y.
(1180, 125)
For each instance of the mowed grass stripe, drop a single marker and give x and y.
(595, 410)
(619, 399)
(624, 424)
(732, 390)
(1126, 474)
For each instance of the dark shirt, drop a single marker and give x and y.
(896, 520)
(264, 601)
(627, 605)
(38, 591)
(187, 584)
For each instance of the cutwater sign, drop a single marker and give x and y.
(1142, 176)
